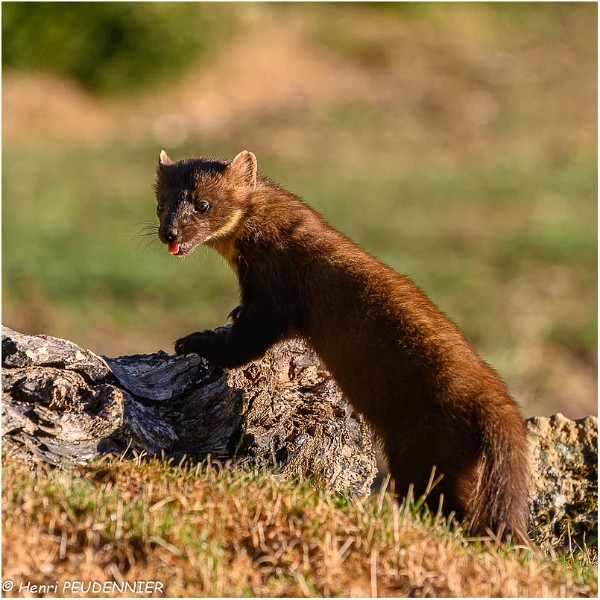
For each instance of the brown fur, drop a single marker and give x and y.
(401, 362)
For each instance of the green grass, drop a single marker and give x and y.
(73, 232)
(74, 256)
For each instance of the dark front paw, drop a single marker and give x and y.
(204, 343)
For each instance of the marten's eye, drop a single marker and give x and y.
(160, 208)
(202, 206)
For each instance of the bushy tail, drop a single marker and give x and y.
(500, 502)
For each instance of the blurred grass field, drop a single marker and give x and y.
(457, 143)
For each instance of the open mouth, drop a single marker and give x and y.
(177, 249)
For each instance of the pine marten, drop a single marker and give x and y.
(399, 360)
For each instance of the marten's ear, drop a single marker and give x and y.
(243, 169)
(163, 160)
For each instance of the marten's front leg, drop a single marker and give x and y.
(252, 334)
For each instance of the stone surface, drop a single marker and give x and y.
(564, 495)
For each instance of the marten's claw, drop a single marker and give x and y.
(179, 346)
(186, 344)
(234, 314)
(203, 343)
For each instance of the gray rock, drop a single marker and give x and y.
(564, 495)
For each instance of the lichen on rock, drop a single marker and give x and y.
(564, 498)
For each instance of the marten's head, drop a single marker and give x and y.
(202, 200)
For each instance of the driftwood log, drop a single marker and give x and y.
(63, 404)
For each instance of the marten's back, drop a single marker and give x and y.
(368, 323)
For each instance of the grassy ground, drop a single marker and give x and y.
(204, 531)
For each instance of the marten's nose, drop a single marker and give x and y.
(170, 234)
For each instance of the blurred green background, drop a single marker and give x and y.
(456, 142)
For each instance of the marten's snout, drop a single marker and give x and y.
(168, 234)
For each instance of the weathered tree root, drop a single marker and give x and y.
(65, 404)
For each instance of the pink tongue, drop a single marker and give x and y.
(174, 248)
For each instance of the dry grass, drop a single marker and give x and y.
(216, 532)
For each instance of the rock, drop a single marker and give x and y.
(63, 404)
(564, 500)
